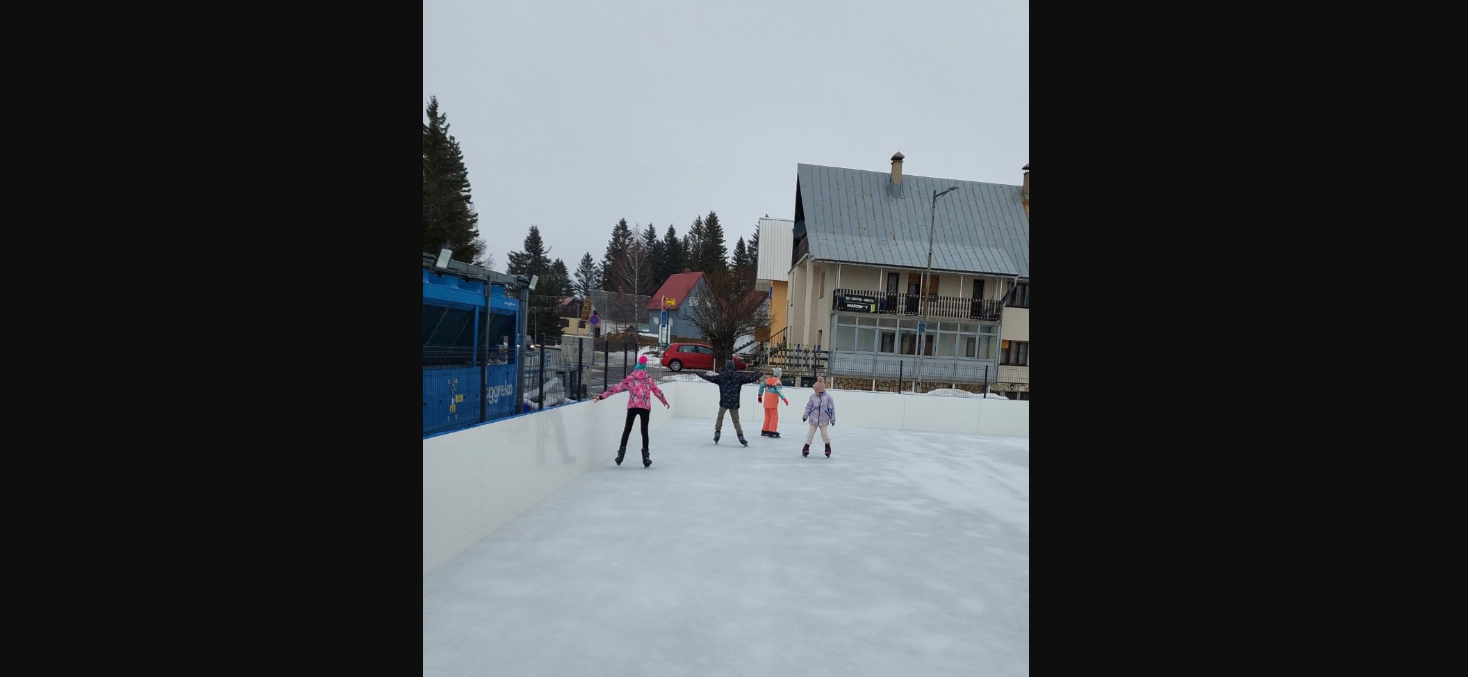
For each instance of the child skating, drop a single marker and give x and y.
(729, 383)
(638, 386)
(820, 410)
(772, 411)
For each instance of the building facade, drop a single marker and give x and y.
(862, 288)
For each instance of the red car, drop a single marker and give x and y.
(680, 356)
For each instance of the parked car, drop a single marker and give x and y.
(680, 356)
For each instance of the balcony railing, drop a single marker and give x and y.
(867, 301)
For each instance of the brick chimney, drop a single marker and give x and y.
(897, 169)
(1027, 189)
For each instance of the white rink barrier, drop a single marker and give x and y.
(477, 479)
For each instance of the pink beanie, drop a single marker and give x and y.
(642, 360)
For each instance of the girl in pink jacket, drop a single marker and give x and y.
(637, 384)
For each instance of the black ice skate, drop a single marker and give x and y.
(716, 437)
(743, 441)
(805, 452)
(620, 453)
(647, 461)
(828, 451)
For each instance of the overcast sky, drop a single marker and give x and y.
(572, 114)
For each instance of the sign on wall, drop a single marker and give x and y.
(859, 304)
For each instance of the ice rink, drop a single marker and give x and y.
(905, 553)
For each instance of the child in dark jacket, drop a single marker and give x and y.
(729, 382)
(820, 410)
(638, 386)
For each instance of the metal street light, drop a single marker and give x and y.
(922, 336)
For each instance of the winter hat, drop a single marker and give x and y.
(641, 363)
(728, 365)
(777, 372)
(820, 385)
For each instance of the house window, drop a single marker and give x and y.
(866, 336)
(1016, 353)
(909, 343)
(1021, 296)
(946, 341)
(822, 287)
(979, 289)
(888, 341)
(845, 337)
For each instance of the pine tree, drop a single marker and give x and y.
(613, 261)
(655, 255)
(566, 285)
(448, 209)
(544, 300)
(740, 267)
(693, 250)
(753, 249)
(672, 255)
(586, 278)
(715, 256)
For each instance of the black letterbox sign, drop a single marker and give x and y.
(860, 304)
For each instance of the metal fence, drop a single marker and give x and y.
(573, 368)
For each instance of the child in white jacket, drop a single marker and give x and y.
(820, 409)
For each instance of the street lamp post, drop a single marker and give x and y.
(923, 338)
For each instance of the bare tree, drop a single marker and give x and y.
(485, 258)
(635, 273)
(724, 312)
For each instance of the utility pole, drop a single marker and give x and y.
(923, 323)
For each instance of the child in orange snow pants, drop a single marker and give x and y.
(772, 412)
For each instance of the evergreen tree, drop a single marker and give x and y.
(672, 255)
(448, 209)
(715, 256)
(586, 278)
(544, 300)
(655, 255)
(753, 249)
(614, 259)
(740, 266)
(693, 250)
(565, 285)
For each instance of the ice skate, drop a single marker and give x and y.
(743, 441)
(805, 452)
(716, 437)
(647, 461)
(620, 453)
(828, 451)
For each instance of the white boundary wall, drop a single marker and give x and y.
(476, 480)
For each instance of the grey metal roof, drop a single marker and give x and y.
(856, 216)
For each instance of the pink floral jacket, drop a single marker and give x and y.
(637, 384)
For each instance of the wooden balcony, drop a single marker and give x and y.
(883, 303)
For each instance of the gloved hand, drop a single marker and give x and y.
(787, 402)
(802, 419)
(759, 398)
